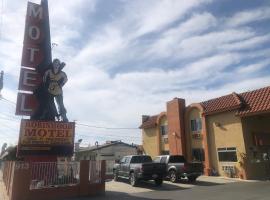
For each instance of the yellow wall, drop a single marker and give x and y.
(256, 166)
(153, 142)
(150, 144)
(164, 145)
(228, 134)
(194, 114)
(190, 141)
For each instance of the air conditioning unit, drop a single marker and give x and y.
(229, 170)
(197, 135)
(165, 140)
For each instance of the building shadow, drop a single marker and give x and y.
(112, 195)
(200, 183)
(164, 187)
(151, 185)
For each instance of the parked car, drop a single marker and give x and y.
(178, 167)
(137, 168)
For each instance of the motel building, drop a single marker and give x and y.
(229, 134)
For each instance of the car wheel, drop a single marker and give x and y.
(115, 176)
(192, 178)
(133, 180)
(158, 182)
(173, 176)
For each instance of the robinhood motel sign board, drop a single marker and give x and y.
(37, 137)
(46, 138)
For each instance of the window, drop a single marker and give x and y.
(128, 160)
(177, 159)
(163, 159)
(156, 160)
(165, 152)
(196, 125)
(164, 130)
(165, 140)
(123, 160)
(227, 154)
(198, 154)
(141, 159)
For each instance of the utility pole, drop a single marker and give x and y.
(1, 81)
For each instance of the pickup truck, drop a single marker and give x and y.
(137, 168)
(178, 167)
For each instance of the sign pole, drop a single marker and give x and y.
(48, 133)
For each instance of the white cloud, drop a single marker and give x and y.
(249, 16)
(209, 43)
(103, 48)
(170, 39)
(151, 15)
(247, 43)
(249, 69)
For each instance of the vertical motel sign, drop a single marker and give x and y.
(36, 56)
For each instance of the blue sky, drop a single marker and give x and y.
(126, 58)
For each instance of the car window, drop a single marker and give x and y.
(156, 159)
(123, 160)
(127, 160)
(163, 160)
(177, 159)
(141, 159)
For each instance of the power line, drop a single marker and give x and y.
(86, 125)
(5, 116)
(111, 136)
(103, 127)
(1, 19)
(10, 128)
(103, 138)
(9, 119)
(8, 116)
(9, 101)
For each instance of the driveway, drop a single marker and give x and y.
(206, 188)
(123, 185)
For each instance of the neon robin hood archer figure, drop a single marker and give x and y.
(54, 79)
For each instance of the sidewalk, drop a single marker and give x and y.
(224, 179)
(3, 194)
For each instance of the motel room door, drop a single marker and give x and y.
(262, 142)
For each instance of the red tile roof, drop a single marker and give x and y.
(257, 101)
(150, 122)
(221, 104)
(247, 103)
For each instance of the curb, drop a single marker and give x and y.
(234, 179)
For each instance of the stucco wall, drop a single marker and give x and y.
(256, 166)
(194, 114)
(164, 145)
(150, 141)
(224, 130)
(113, 152)
(117, 152)
(176, 126)
(191, 142)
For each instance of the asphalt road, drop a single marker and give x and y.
(206, 188)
